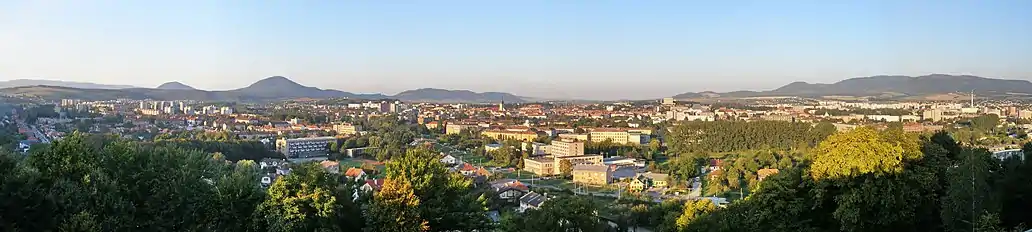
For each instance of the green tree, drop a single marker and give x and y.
(445, 200)
(565, 167)
(567, 213)
(969, 194)
(301, 201)
(395, 208)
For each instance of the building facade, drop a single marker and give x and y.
(592, 174)
(347, 129)
(456, 128)
(562, 148)
(304, 147)
(511, 135)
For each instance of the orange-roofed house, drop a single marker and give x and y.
(355, 173)
(483, 172)
(764, 173)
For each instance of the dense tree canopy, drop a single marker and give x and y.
(856, 152)
(939, 187)
(99, 183)
(697, 137)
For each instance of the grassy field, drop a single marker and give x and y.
(358, 162)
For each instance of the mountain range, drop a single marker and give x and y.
(268, 89)
(71, 84)
(886, 86)
(282, 88)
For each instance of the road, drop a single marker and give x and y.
(39, 135)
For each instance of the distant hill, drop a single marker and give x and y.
(443, 95)
(268, 89)
(175, 85)
(888, 85)
(70, 84)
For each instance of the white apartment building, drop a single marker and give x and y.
(305, 147)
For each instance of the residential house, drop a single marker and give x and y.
(270, 163)
(331, 166)
(764, 173)
(531, 200)
(659, 180)
(714, 164)
(638, 183)
(467, 169)
(372, 185)
(510, 190)
(481, 171)
(648, 180)
(715, 175)
(451, 160)
(282, 169)
(355, 173)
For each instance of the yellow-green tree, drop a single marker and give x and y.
(693, 210)
(860, 151)
(395, 208)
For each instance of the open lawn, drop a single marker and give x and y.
(519, 174)
(358, 162)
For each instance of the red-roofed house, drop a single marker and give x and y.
(467, 169)
(372, 185)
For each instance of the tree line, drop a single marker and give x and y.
(698, 138)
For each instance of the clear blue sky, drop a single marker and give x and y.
(578, 49)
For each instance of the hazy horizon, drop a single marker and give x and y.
(603, 50)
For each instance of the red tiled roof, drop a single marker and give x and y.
(354, 172)
(375, 183)
(468, 167)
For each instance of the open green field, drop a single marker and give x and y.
(358, 162)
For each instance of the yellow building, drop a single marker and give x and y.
(542, 166)
(549, 165)
(620, 136)
(637, 184)
(592, 174)
(577, 137)
(562, 148)
(507, 135)
(432, 125)
(347, 129)
(658, 180)
(648, 180)
(456, 128)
